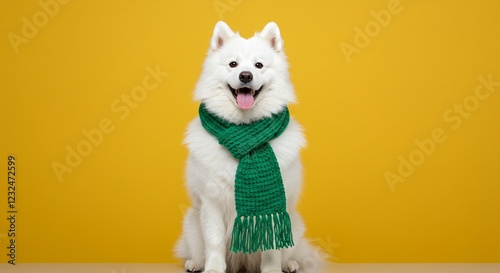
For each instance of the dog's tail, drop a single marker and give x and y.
(312, 258)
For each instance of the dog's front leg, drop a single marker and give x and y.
(270, 261)
(213, 232)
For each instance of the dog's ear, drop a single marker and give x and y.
(222, 32)
(271, 33)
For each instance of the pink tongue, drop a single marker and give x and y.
(245, 100)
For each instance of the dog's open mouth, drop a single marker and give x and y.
(245, 96)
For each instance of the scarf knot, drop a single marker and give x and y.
(236, 143)
(262, 222)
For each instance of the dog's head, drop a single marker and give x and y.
(245, 79)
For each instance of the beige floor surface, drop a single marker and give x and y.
(170, 268)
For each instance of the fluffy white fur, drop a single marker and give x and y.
(211, 168)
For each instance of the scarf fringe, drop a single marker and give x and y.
(262, 232)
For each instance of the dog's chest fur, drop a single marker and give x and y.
(212, 168)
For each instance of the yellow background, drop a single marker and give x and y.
(125, 200)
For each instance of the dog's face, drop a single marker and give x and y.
(245, 79)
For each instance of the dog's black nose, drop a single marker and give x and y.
(246, 76)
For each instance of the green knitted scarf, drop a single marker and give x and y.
(262, 222)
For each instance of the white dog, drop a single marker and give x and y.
(243, 80)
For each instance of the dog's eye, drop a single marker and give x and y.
(259, 65)
(233, 64)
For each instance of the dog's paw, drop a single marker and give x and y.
(213, 271)
(192, 266)
(290, 266)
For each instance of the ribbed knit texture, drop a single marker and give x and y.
(262, 222)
